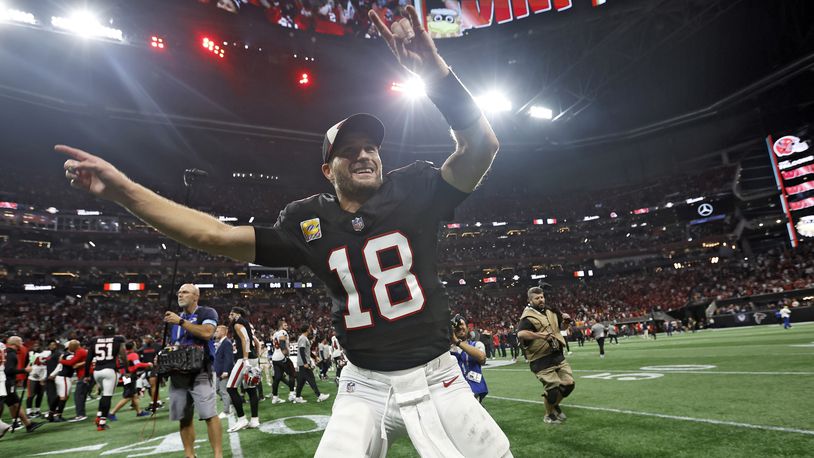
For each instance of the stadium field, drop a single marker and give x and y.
(738, 392)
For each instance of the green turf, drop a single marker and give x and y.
(631, 427)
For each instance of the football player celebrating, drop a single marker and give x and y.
(373, 244)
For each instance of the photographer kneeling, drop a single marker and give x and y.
(542, 343)
(471, 354)
(193, 387)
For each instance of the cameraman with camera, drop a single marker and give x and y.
(194, 389)
(542, 343)
(471, 354)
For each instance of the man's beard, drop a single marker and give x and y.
(351, 189)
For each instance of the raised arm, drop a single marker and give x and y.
(475, 139)
(192, 228)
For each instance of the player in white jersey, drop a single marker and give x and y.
(281, 363)
(36, 381)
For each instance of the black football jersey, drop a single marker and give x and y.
(252, 351)
(379, 264)
(105, 351)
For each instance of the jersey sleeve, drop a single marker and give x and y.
(209, 316)
(277, 245)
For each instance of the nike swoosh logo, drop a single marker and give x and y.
(448, 383)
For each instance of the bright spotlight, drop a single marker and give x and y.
(12, 15)
(539, 112)
(217, 50)
(412, 88)
(157, 42)
(85, 24)
(494, 102)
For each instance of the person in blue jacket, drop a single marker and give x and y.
(471, 354)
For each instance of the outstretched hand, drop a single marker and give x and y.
(93, 174)
(412, 45)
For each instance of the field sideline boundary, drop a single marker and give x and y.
(671, 417)
(666, 371)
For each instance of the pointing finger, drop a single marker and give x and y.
(75, 153)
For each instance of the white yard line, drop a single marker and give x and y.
(674, 372)
(672, 417)
(234, 440)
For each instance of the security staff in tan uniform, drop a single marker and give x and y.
(542, 343)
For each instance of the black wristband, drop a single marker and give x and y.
(181, 322)
(454, 101)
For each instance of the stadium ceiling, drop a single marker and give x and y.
(680, 77)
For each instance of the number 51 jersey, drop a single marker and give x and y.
(379, 264)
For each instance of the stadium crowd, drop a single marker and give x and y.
(136, 253)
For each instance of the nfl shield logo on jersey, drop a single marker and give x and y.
(311, 230)
(358, 223)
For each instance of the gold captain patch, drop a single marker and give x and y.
(311, 230)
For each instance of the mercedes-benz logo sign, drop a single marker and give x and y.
(705, 209)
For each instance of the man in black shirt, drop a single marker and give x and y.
(373, 243)
(511, 337)
(147, 353)
(51, 364)
(12, 400)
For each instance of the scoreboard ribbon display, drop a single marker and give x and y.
(794, 175)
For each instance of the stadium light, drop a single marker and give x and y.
(494, 102)
(85, 24)
(212, 47)
(305, 79)
(539, 112)
(12, 15)
(412, 88)
(157, 42)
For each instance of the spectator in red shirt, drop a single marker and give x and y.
(82, 387)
